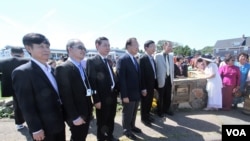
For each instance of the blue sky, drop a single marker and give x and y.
(196, 23)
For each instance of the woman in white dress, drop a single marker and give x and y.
(214, 84)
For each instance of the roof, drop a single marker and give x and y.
(230, 43)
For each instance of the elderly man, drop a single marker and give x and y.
(37, 91)
(75, 90)
(165, 77)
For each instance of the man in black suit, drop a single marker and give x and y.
(75, 90)
(37, 92)
(130, 87)
(103, 82)
(6, 68)
(148, 81)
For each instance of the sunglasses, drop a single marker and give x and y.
(80, 47)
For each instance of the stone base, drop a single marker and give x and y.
(190, 93)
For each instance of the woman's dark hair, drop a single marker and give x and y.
(178, 58)
(199, 60)
(228, 57)
(244, 54)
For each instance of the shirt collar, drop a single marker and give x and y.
(42, 66)
(130, 55)
(76, 63)
(150, 56)
(103, 57)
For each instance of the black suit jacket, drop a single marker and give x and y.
(129, 78)
(100, 80)
(73, 92)
(147, 74)
(177, 71)
(6, 68)
(37, 98)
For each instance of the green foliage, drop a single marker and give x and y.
(180, 50)
(6, 112)
(159, 45)
(141, 51)
(207, 50)
(184, 50)
(193, 51)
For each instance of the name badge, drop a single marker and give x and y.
(88, 92)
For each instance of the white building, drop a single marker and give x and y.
(56, 54)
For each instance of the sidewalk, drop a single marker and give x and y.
(185, 125)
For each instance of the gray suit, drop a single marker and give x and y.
(162, 68)
(164, 82)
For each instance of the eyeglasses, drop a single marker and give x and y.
(81, 47)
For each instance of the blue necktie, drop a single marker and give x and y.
(81, 71)
(135, 63)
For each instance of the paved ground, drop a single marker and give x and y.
(185, 125)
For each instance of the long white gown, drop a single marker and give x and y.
(214, 87)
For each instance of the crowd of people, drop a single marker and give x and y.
(227, 80)
(48, 94)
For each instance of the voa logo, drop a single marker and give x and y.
(236, 132)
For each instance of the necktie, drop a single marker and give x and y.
(110, 72)
(135, 63)
(153, 65)
(81, 71)
(105, 61)
(167, 63)
(167, 56)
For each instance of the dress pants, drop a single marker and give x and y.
(129, 112)
(227, 97)
(146, 104)
(164, 99)
(79, 133)
(106, 119)
(17, 112)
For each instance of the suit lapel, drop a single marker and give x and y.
(40, 72)
(74, 69)
(149, 63)
(102, 63)
(132, 63)
(163, 60)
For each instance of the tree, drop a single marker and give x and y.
(187, 50)
(207, 50)
(159, 45)
(193, 51)
(180, 50)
